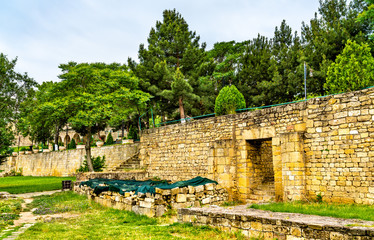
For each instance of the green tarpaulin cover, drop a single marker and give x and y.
(148, 186)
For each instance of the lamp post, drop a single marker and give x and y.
(305, 80)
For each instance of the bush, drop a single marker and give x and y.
(72, 144)
(133, 133)
(352, 70)
(24, 149)
(109, 140)
(228, 100)
(98, 164)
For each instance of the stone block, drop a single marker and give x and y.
(181, 198)
(206, 201)
(174, 191)
(160, 210)
(183, 190)
(191, 189)
(209, 186)
(145, 204)
(199, 188)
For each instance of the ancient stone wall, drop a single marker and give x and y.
(274, 225)
(161, 201)
(320, 146)
(65, 163)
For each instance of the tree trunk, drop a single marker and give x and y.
(88, 151)
(123, 129)
(55, 147)
(181, 110)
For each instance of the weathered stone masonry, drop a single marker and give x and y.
(321, 146)
(65, 163)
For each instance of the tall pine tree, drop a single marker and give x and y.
(325, 37)
(171, 45)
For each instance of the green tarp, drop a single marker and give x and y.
(148, 186)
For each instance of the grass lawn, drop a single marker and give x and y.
(364, 212)
(9, 211)
(23, 184)
(98, 222)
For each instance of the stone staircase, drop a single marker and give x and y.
(262, 193)
(131, 163)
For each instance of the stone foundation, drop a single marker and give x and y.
(281, 226)
(155, 205)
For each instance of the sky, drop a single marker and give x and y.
(43, 34)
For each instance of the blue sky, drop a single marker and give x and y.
(46, 33)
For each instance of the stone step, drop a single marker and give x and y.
(132, 162)
(262, 193)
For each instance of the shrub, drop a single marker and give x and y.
(133, 133)
(72, 144)
(228, 100)
(98, 164)
(109, 140)
(352, 70)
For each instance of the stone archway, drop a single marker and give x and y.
(67, 140)
(76, 138)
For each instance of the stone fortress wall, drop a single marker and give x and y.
(65, 163)
(323, 146)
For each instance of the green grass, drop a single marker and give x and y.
(59, 203)
(364, 212)
(98, 222)
(23, 184)
(9, 211)
(232, 203)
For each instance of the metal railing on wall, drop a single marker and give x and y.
(237, 110)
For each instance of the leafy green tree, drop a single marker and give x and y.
(180, 91)
(45, 102)
(94, 92)
(171, 45)
(352, 70)
(228, 100)
(326, 35)
(14, 89)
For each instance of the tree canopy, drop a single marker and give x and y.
(352, 70)
(94, 93)
(14, 89)
(171, 46)
(176, 76)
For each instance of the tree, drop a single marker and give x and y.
(228, 100)
(94, 92)
(171, 45)
(256, 74)
(352, 70)
(367, 16)
(288, 68)
(14, 89)
(45, 102)
(180, 91)
(325, 37)
(109, 140)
